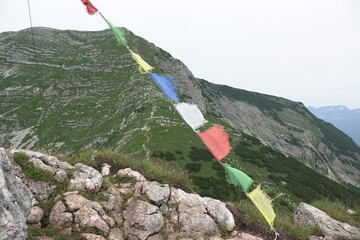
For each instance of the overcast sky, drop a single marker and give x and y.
(303, 50)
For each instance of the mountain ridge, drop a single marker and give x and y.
(88, 93)
(341, 117)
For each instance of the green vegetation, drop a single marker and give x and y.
(30, 170)
(296, 177)
(154, 168)
(282, 221)
(337, 210)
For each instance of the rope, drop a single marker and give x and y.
(276, 235)
(37, 74)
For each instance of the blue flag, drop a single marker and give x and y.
(166, 84)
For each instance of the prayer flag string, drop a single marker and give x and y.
(215, 138)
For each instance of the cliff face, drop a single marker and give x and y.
(78, 90)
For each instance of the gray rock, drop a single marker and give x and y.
(59, 217)
(60, 176)
(47, 160)
(116, 234)
(35, 215)
(87, 178)
(127, 172)
(76, 202)
(40, 189)
(89, 236)
(105, 169)
(245, 236)
(142, 219)
(15, 202)
(193, 215)
(157, 193)
(307, 214)
(87, 217)
(219, 213)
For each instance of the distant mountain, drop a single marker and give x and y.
(341, 117)
(81, 90)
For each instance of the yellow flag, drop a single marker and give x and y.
(144, 67)
(264, 204)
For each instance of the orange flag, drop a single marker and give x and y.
(216, 139)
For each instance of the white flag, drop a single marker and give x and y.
(191, 114)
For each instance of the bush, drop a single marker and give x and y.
(193, 167)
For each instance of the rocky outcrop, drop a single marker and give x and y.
(129, 209)
(85, 178)
(310, 215)
(15, 202)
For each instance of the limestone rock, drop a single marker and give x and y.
(60, 176)
(193, 218)
(245, 236)
(219, 213)
(142, 219)
(35, 215)
(157, 193)
(116, 234)
(193, 215)
(59, 217)
(86, 178)
(15, 202)
(87, 217)
(114, 201)
(76, 202)
(310, 215)
(105, 169)
(40, 189)
(47, 160)
(89, 236)
(127, 172)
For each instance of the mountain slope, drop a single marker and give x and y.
(341, 117)
(80, 90)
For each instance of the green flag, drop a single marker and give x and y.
(117, 31)
(237, 177)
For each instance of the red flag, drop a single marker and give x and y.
(90, 8)
(216, 139)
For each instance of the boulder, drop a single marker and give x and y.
(75, 202)
(193, 215)
(59, 217)
(157, 193)
(85, 178)
(87, 217)
(15, 202)
(142, 219)
(309, 215)
(89, 236)
(35, 215)
(105, 169)
(128, 172)
(40, 189)
(218, 211)
(116, 234)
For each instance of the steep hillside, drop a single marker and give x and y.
(341, 117)
(80, 90)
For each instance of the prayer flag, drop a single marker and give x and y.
(237, 178)
(90, 8)
(191, 114)
(144, 67)
(166, 84)
(264, 204)
(117, 31)
(216, 139)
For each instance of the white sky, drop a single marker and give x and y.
(303, 50)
